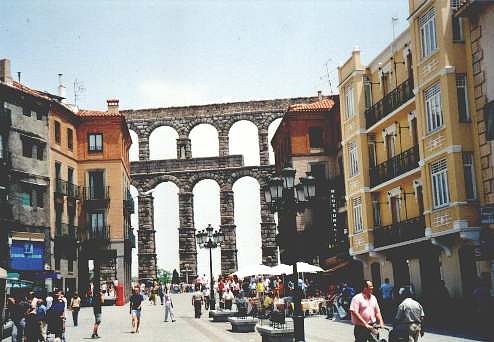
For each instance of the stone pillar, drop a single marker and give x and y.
(263, 146)
(184, 148)
(229, 246)
(223, 143)
(268, 234)
(187, 235)
(144, 146)
(145, 238)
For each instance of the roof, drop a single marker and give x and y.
(318, 106)
(29, 91)
(97, 113)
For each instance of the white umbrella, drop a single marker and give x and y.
(303, 267)
(282, 269)
(253, 270)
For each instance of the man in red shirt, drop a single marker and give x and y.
(365, 312)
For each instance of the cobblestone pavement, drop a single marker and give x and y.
(116, 327)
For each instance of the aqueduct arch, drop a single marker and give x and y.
(186, 171)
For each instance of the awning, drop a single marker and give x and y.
(3, 273)
(342, 264)
(27, 236)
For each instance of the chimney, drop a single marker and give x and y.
(319, 95)
(61, 87)
(112, 106)
(5, 75)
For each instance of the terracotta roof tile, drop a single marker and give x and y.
(29, 91)
(97, 113)
(318, 106)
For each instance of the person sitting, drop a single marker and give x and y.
(267, 304)
(241, 304)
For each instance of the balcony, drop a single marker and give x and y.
(97, 198)
(403, 231)
(65, 231)
(131, 238)
(391, 168)
(94, 237)
(67, 189)
(128, 204)
(398, 96)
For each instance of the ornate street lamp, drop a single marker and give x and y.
(210, 239)
(282, 194)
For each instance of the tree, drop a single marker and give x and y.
(175, 277)
(164, 276)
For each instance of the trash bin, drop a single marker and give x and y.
(120, 300)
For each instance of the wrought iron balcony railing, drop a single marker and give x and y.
(403, 231)
(68, 189)
(64, 230)
(128, 204)
(97, 193)
(398, 96)
(391, 168)
(99, 233)
(5, 118)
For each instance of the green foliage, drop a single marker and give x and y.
(164, 276)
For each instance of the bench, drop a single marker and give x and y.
(221, 315)
(243, 324)
(272, 334)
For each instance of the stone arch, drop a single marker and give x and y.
(152, 183)
(255, 117)
(134, 148)
(196, 150)
(189, 125)
(270, 117)
(152, 125)
(273, 126)
(247, 226)
(158, 151)
(196, 178)
(243, 138)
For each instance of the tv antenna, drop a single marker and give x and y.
(78, 90)
(327, 75)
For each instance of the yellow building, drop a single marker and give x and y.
(408, 126)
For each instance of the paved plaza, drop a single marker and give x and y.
(116, 327)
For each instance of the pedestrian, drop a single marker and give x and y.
(55, 316)
(197, 300)
(408, 322)
(19, 309)
(49, 300)
(168, 306)
(97, 301)
(205, 293)
(161, 292)
(75, 306)
(365, 313)
(228, 297)
(135, 305)
(41, 320)
(386, 291)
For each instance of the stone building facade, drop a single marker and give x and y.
(185, 172)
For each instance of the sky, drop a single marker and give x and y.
(154, 54)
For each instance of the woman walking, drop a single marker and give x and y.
(75, 306)
(197, 300)
(167, 298)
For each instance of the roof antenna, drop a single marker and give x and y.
(78, 90)
(19, 76)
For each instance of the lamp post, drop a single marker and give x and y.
(210, 239)
(282, 194)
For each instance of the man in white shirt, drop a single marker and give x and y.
(49, 300)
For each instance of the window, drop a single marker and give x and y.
(27, 148)
(469, 173)
(70, 138)
(1, 147)
(376, 209)
(350, 110)
(40, 194)
(357, 215)
(367, 93)
(353, 158)
(70, 266)
(427, 25)
(372, 154)
(489, 120)
(40, 152)
(315, 137)
(462, 95)
(433, 108)
(97, 221)
(70, 175)
(39, 115)
(26, 196)
(96, 185)
(58, 137)
(458, 29)
(96, 142)
(58, 170)
(26, 111)
(57, 262)
(440, 191)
